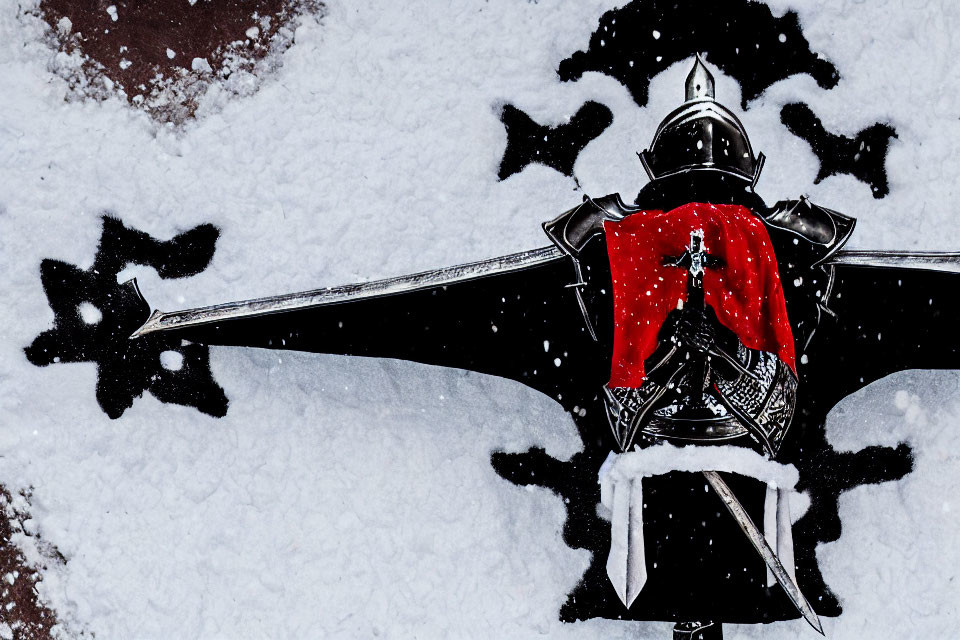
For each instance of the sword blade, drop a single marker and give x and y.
(161, 321)
(947, 261)
(760, 544)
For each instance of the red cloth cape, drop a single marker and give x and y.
(745, 292)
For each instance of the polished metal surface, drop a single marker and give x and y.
(700, 82)
(759, 403)
(947, 261)
(627, 408)
(572, 229)
(160, 321)
(701, 134)
(763, 548)
(712, 431)
(764, 402)
(815, 224)
(698, 253)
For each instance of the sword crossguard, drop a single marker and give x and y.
(695, 259)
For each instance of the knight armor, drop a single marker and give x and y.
(701, 153)
(715, 356)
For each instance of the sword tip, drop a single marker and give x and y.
(814, 621)
(152, 324)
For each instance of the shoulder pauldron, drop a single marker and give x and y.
(571, 232)
(817, 232)
(572, 229)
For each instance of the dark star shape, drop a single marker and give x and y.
(639, 40)
(861, 156)
(557, 146)
(94, 317)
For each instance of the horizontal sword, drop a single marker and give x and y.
(160, 320)
(946, 261)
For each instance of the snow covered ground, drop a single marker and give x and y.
(354, 498)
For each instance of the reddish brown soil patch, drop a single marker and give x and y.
(161, 54)
(22, 615)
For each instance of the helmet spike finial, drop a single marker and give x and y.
(699, 81)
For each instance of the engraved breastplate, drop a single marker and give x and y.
(755, 406)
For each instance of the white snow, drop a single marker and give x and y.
(89, 313)
(665, 458)
(339, 498)
(200, 64)
(171, 360)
